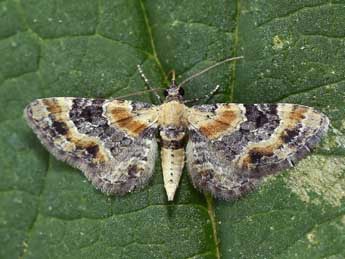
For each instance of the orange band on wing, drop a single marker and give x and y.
(221, 123)
(52, 106)
(213, 125)
(125, 120)
(120, 114)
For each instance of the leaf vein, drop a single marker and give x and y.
(153, 46)
(288, 14)
(235, 45)
(308, 90)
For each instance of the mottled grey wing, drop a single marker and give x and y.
(232, 146)
(112, 141)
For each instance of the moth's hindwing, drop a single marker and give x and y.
(232, 146)
(112, 141)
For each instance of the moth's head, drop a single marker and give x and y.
(173, 92)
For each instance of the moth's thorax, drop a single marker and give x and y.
(172, 113)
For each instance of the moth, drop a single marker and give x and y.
(228, 147)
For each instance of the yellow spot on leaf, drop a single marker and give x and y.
(278, 43)
(311, 236)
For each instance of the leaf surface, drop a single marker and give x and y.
(294, 52)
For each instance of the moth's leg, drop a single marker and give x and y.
(147, 83)
(207, 96)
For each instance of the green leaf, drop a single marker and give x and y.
(294, 52)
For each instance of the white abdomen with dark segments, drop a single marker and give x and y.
(172, 166)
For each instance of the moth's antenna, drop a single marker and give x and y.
(147, 83)
(139, 93)
(173, 76)
(207, 69)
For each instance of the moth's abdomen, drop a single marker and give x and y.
(172, 155)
